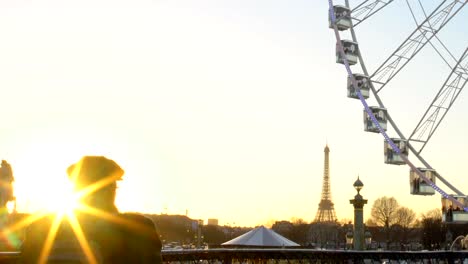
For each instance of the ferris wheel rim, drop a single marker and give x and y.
(372, 117)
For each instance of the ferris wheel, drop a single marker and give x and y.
(363, 84)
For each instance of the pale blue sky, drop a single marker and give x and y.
(221, 108)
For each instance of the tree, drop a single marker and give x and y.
(433, 232)
(270, 223)
(298, 221)
(299, 231)
(213, 235)
(384, 212)
(434, 213)
(345, 221)
(283, 228)
(405, 217)
(437, 234)
(371, 222)
(405, 220)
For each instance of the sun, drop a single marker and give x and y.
(62, 201)
(39, 163)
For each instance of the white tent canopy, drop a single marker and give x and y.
(261, 236)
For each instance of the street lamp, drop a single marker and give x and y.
(368, 239)
(358, 202)
(358, 185)
(349, 238)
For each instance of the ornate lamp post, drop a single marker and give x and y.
(349, 238)
(368, 239)
(358, 202)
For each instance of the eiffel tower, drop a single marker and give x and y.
(326, 212)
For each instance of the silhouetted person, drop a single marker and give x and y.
(415, 185)
(449, 216)
(111, 237)
(6, 179)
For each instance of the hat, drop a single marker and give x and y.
(91, 169)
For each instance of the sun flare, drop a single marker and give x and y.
(62, 201)
(65, 205)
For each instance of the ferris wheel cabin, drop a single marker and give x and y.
(342, 17)
(418, 186)
(453, 213)
(391, 156)
(380, 115)
(362, 82)
(351, 52)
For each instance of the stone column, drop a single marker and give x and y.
(358, 203)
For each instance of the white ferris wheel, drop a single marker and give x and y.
(365, 84)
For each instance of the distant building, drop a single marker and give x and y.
(213, 221)
(282, 227)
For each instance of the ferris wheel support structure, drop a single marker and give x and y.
(373, 118)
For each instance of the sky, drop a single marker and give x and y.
(214, 108)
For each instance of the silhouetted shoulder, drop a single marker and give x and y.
(38, 232)
(143, 243)
(34, 238)
(104, 238)
(138, 218)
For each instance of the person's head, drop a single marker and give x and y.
(96, 176)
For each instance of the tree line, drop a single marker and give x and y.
(391, 226)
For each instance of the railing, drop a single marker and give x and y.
(314, 256)
(299, 255)
(9, 257)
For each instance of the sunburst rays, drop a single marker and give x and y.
(24, 222)
(122, 221)
(85, 246)
(69, 214)
(49, 242)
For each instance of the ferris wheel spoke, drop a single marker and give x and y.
(451, 60)
(442, 103)
(365, 10)
(411, 46)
